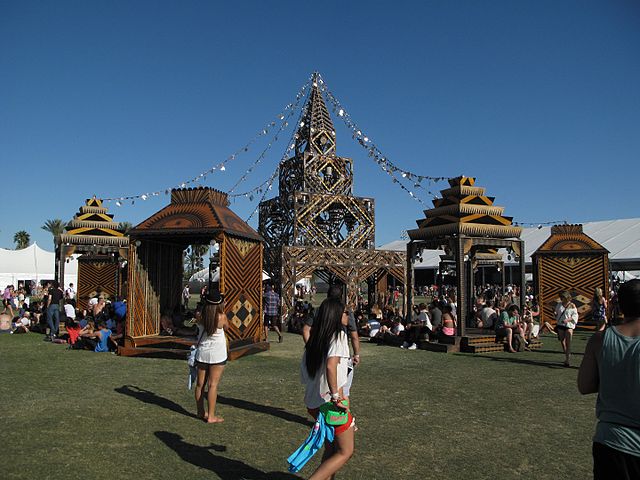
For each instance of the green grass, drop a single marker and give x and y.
(71, 414)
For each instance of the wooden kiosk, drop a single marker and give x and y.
(194, 216)
(470, 229)
(103, 248)
(570, 260)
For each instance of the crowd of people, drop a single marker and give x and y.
(53, 312)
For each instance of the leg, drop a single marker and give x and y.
(215, 372)
(343, 450)
(509, 340)
(561, 337)
(56, 320)
(50, 322)
(567, 341)
(199, 390)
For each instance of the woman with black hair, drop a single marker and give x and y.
(324, 371)
(211, 356)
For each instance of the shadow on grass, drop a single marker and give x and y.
(524, 361)
(225, 468)
(256, 407)
(148, 396)
(558, 352)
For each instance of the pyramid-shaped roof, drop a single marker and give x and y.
(569, 238)
(196, 212)
(92, 225)
(316, 133)
(464, 209)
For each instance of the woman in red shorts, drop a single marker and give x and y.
(324, 372)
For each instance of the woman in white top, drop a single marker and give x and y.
(211, 356)
(566, 320)
(324, 371)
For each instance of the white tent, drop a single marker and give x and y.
(33, 264)
(202, 276)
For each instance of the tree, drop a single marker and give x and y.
(193, 258)
(55, 227)
(127, 226)
(22, 239)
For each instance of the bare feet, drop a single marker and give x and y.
(215, 420)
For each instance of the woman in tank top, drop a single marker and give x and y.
(610, 368)
(211, 356)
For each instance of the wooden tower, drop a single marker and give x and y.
(101, 241)
(316, 224)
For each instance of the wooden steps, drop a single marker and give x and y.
(487, 343)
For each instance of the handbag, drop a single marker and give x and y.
(334, 416)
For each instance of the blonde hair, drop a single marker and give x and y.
(597, 295)
(565, 295)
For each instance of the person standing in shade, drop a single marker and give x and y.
(611, 368)
(70, 294)
(53, 309)
(211, 356)
(271, 312)
(566, 321)
(186, 295)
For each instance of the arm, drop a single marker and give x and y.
(332, 381)
(355, 343)
(306, 332)
(588, 375)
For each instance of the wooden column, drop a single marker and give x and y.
(461, 283)
(410, 280)
(523, 281)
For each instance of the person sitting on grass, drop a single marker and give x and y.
(100, 340)
(23, 324)
(417, 329)
(507, 324)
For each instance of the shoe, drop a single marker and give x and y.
(404, 345)
(280, 339)
(413, 346)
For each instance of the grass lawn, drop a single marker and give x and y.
(72, 414)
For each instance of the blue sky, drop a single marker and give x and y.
(539, 100)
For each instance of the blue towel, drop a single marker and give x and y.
(191, 380)
(314, 442)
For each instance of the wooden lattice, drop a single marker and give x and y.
(94, 274)
(570, 260)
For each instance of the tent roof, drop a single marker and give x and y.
(621, 237)
(32, 263)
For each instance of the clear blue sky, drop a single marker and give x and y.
(539, 100)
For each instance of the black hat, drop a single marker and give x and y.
(214, 297)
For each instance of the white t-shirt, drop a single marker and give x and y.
(488, 316)
(69, 311)
(26, 322)
(423, 317)
(93, 301)
(316, 388)
(70, 293)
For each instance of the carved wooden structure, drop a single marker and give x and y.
(315, 224)
(570, 260)
(195, 216)
(470, 229)
(101, 241)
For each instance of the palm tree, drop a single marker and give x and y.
(55, 227)
(22, 239)
(127, 226)
(193, 258)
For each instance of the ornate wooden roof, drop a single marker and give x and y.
(464, 209)
(570, 239)
(92, 225)
(195, 211)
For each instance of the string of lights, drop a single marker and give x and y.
(282, 117)
(539, 225)
(374, 151)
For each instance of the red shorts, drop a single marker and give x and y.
(339, 429)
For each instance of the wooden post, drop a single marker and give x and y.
(461, 284)
(411, 251)
(523, 281)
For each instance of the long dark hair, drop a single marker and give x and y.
(326, 327)
(210, 315)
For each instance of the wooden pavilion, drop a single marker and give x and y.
(194, 216)
(570, 260)
(103, 248)
(470, 229)
(316, 225)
